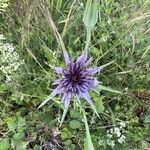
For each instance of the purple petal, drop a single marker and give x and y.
(58, 70)
(78, 98)
(82, 58)
(88, 62)
(67, 99)
(71, 67)
(55, 92)
(93, 84)
(66, 57)
(83, 87)
(96, 82)
(93, 71)
(87, 97)
(64, 96)
(58, 90)
(57, 82)
(78, 88)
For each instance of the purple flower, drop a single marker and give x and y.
(76, 80)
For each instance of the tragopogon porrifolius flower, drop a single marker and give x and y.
(77, 79)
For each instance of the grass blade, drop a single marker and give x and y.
(89, 144)
(46, 100)
(101, 87)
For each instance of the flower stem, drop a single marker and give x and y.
(89, 144)
(88, 40)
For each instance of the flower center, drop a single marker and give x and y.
(74, 78)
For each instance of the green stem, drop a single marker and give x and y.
(88, 40)
(89, 144)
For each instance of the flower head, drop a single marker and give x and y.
(76, 79)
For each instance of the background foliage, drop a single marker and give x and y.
(121, 34)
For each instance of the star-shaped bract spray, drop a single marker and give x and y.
(76, 81)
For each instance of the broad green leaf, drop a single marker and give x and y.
(75, 114)
(21, 146)
(21, 123)
(147, 118)
(101, 87)
(66, 134)
(16, 123)
(74, 124)
(90, 14)
(19, 136)
(99, 104)
(67, 142)
(90, 19)
(4, 144)
(11, 123)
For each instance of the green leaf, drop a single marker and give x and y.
(59, 4)
(66, 134)
(16, 123)
(99, 104)
(63, 116)
(11, 123)
(46, 100)
(147, 118)
(90, 19)
(90, 14)
(95, 110)
(88, 142)
(75, 114)
(21, 146)
(19, 136)
(4, 145)
(101, 87)
(68, 142)
(74, 124)
(21, 123)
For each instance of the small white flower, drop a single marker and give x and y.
(121, 139)
(81, 4)
(8, 78)
(109, 21)
(111, 130)
(2, 37)
(9, 58)
(109, 135)
(111, 143)
(100, 142)
(117, 131)
(122, 124)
